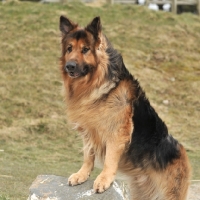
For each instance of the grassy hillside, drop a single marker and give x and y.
(161, 49)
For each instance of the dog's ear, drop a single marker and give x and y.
(66, 25)
(94, 27)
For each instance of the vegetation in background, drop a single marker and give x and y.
(162, 50)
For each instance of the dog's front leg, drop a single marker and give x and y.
(84, 172)
(114, 150)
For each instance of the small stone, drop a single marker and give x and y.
(166, 102)
(172, 79)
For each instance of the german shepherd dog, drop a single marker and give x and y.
(118, 125)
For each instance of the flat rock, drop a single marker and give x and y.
(51, 187)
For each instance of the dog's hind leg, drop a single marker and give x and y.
(171, 183)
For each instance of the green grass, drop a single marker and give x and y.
(157, 47)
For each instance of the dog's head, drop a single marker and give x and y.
(79, 46)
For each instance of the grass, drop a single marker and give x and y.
(160, 49)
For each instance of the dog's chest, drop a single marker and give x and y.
(104, 117)
(99, 116)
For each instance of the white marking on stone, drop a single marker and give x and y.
(34, 197)
(45, 180)
(87, 193)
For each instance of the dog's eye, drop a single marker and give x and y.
(85, 50)
(69, 49)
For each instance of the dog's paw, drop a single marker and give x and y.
(102, 183)
(77, 178)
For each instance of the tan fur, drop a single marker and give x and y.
(96, 132)
(107, 137)
(106, 125)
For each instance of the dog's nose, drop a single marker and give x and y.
(70, 66)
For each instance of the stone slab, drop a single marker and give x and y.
(51, 187)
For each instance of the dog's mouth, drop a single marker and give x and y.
(74, 74)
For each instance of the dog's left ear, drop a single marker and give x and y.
(94, 27)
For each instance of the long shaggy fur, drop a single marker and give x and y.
(116, 121)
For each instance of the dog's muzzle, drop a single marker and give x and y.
(75, 71)
(71, 68)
